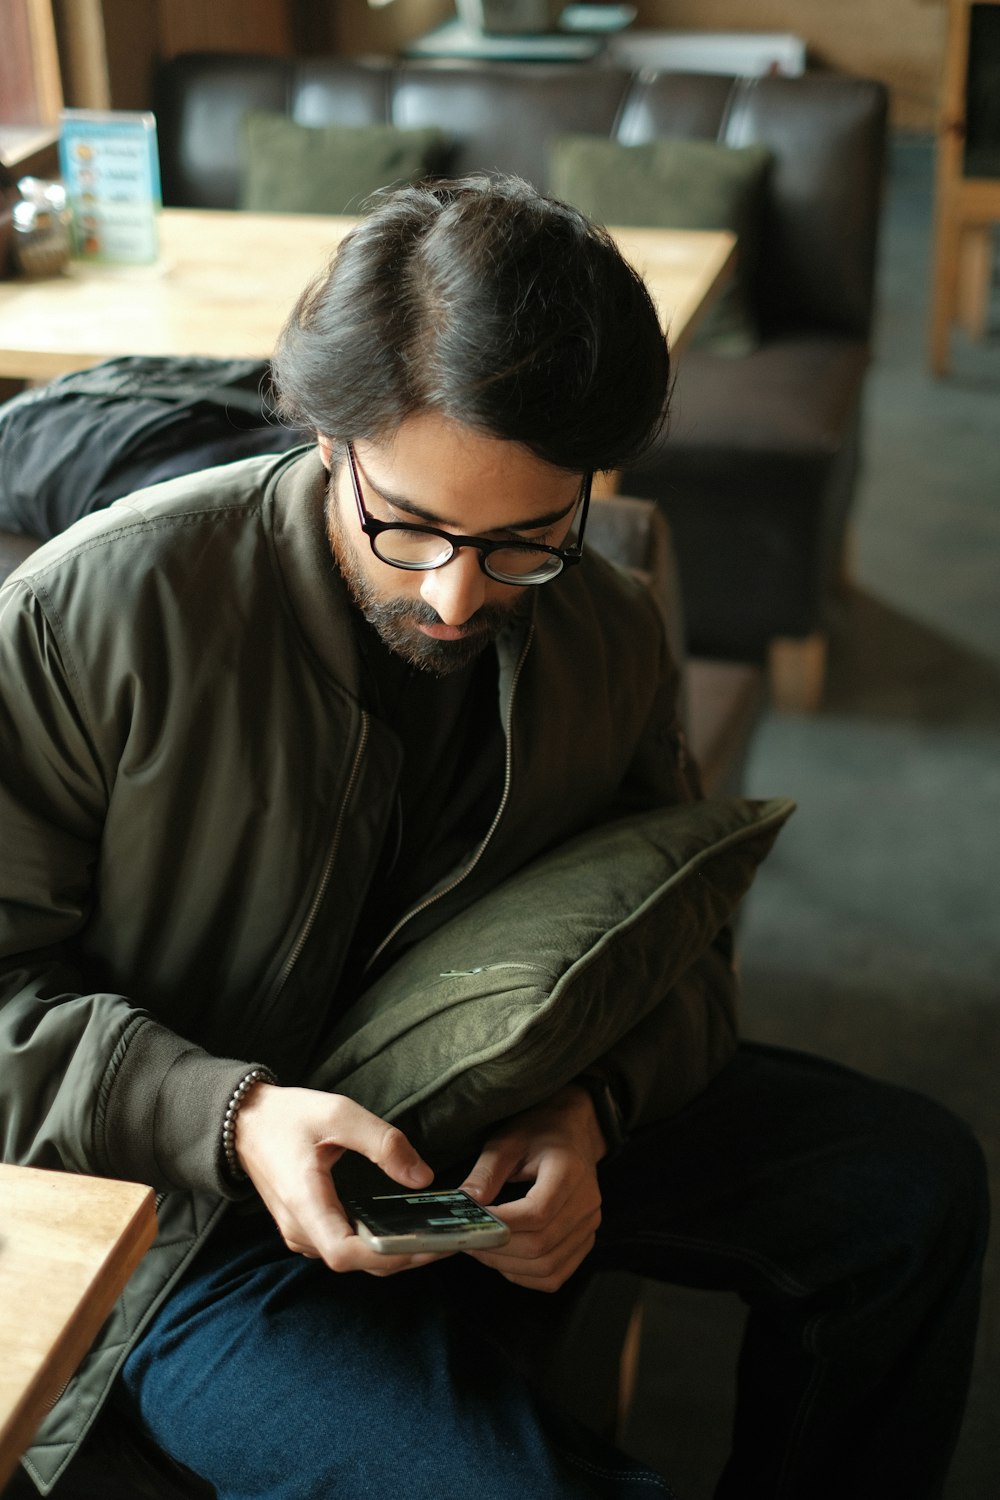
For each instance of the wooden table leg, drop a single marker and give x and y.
(975, 274)
(796, 672)
(947, 238)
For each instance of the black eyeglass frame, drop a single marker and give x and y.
(374, 528)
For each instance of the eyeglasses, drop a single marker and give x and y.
(421, 548)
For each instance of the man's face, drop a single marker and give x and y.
(436, 472)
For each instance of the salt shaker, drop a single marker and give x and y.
(41, 238)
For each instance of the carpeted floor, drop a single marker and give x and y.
(873, 932)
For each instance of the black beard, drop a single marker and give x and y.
(396, 620)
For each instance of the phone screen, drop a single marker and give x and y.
(446, 1219)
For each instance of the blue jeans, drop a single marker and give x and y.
(849, 1214)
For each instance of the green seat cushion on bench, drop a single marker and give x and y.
(329, 169)
(676, 184)
(527, 987)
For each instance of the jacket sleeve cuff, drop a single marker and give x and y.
(163, 1117)
(607, 1110)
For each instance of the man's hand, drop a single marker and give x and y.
(287, 1140)
(556, 1147)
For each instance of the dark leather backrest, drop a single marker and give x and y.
(501, 117)
(200, 99)
(828, 138)
(635, 534)
(826, 133)
(338, 91)
(498, 117)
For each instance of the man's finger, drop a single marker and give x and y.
(354, 1128)
(492, 1170)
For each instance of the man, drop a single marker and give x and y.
(252, 751)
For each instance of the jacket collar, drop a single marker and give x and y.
(313, 585)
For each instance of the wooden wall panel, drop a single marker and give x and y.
(110, 47)
(898, 41)
(226, 25)
(83, 53)
(131, 46)
(355, 27)
(17, 87)
(30, 87)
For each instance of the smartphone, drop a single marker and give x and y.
(407, 1223)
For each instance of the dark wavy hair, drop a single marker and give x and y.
(483, 300)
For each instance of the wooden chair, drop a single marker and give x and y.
(967, 188)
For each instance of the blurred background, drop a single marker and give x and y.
(872, 934)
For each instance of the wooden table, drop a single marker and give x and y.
(685, 269)
(226, 281)
(68, 1245)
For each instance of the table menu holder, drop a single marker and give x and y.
(110, 166)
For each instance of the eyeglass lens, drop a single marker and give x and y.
(417, 549)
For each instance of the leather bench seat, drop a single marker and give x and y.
(756, 557)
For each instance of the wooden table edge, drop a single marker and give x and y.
(133, 1240)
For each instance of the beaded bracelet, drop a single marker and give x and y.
(246, 1083)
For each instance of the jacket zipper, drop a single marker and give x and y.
(331, 857)
(463, 874)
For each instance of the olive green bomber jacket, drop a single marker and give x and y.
(192, 801)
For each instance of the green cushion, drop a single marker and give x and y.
(676, 184)
(328, 169)
(527, 987)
